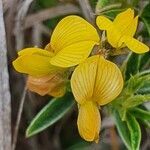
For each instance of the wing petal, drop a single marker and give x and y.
(103, 23)
(135, 45)
(34, 61)
(73, 54)
(113, 35)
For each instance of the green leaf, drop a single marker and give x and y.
(145, 123)
(80, 146)
(132, 65)
(122, 112)
(145, 61)
(135, 132)
(113, 12)
(136, 83)
(140, 113)
(136, 100)
(102, 3)
(122, 130)
(107, 5)
(145, 89)
(146, 17)
(50, 114)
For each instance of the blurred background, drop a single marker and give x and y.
(30, 23)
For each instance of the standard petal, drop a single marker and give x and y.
(83, 79)
(131, 29)
(108, 82)
(89, 121)
(135, 45)
(71, 30)
(103, 23)
(35, 62)
(72, 55)
(123, 20)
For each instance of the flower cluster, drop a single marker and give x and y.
(95, 81)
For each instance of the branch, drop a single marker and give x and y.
(19, 23)
(18, 118)
(49, 13)
(5, 104)
(87, 10)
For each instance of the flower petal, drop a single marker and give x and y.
(131, 29)
(34, 50)
(113, 35)
(123, 20)
(108, 82)
(34, 61)
(103, 23)
(73, 54)
(96, 79)
(89, 121)
(135, 45)
(71, 30)
(83, 79)
(52, 84)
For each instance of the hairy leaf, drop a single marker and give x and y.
(50, 114)
(140, 113)
(122, 130)
(135, 132)
(136, 100)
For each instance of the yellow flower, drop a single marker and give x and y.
(94, 83)
(70, 44)
(120, 32)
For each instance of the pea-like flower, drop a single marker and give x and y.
(120, 32)
(94, 83)
(70, 44)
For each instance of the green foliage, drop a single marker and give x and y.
(136, 100)
(46, 3)
(123, 130)
(129, 130)
(135, 132)
(146, 17)
(136, 91)
(50, 114)
(111, 8)
(132, 65)
(140, 113)
(82, 145)
(145, 89)
(144, 61)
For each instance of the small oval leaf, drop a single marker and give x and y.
(50, 114)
